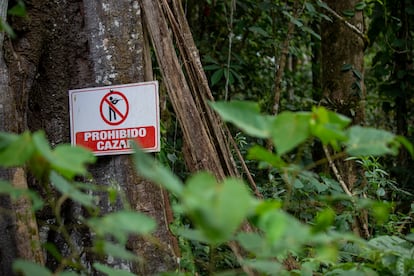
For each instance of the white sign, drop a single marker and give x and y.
(106, 119)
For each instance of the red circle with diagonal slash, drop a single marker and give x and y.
(106, 102)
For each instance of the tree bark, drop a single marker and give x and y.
(202, 155)
(8, 250)
(341, 47)
(19, 231)
(342, 83)
(402, 63)
(76, 44)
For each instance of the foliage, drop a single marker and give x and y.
(389, 75)
(56, 170)
(219, 209)
(241, 47)
(280, 234)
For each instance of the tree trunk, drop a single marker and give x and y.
(341, 47)
(19, 231)
(342, 67)
(76, 44)
(342, 71)
(402, 65)
(202, 154)
(8, 250)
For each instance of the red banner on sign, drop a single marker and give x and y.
(117, 139)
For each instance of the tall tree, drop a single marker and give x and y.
(67, 45)
(342, 65)
(19, 232)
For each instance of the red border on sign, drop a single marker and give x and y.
(113, 107)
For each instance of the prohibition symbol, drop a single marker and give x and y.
(114, 108)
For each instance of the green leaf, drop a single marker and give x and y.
(312, 180)
(121, 224)
(6, 139)
(370, 141)
(71, 161)
(22, 267)
(4, 26)
(258, 30)
(65, 159)
(311, 32)
(149, 168)
(42, 145)
(217, 209)
(290, 130)
(267, 206)
(15, 193)
(15, 150)
(270, 267)
(381, 211)
(261, 154)
(283, 231)
(298, 184)
(328, 126)
(114, 250)
(322, 5)
(18, 10)
(53, 251)
(391, 244)
(324, 219)
(217, 76)
(310, 7)
(68, 189)
(192, 234)
(68, 273)
(346, 67)
(348, 13)
(292, 19)
(360, 6)
(324, 16)
(229, 76)
(109, 271)
(380, 192)
(406, 143)
(212, 67)
(237, 76)
(357, 74)
(252, 242)
(246, 116)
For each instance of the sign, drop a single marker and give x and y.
(107, 119)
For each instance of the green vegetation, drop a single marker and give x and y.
(218, 210)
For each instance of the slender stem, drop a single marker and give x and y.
(279, 70)
(212, 263)
(244, 166)
(324, 161)
(336, 172)
(362, 217)
(234, 247)
(230, 26)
